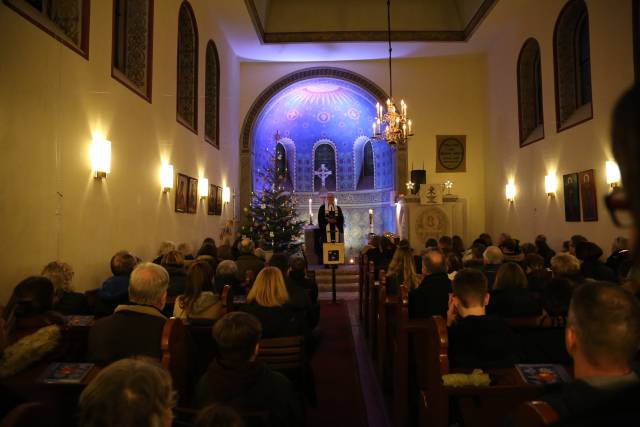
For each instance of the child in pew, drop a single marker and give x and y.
(475, 339)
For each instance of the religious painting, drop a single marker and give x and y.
(211, 201)
(219, 200)
(451, 153)
(182, 188)
(571, 197)
(431, 194)
(192, 200)
(588, 196)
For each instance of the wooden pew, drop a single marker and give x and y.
(535, 414)
(477, 406)
(29, 414)
(362, 262)
(185, 417)
(368, 283)
(226, 296)
(174, 346)
(374, 290)
(385, 334)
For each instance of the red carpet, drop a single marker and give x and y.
(336, 372)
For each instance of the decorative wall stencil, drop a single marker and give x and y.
(571, 197)
(451, 153)
(588, 195)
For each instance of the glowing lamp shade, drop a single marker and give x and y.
(226, 195)
(101, 157)
(613, 173)
(510, 192)
(203, 187)
(550, 185)
(166, 178)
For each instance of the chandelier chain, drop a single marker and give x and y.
(390, 49)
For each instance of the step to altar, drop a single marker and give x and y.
(346, 278)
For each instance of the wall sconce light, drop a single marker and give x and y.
(613, 173)
(226, 195)
(510, 192)
(100, 157)
(166, 178)
(550, 185)
(203, 188)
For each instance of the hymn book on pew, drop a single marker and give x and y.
(543, 373)
(66, 373)
(76, 320)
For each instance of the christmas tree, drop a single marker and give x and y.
(271, 219)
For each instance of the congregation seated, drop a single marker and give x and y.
(298, 297)
(493, 259)
(267, 301)
(432, 296)
(527, 249)
(225, 250)
(173, 262)
(128, 393)
(198, 300)
(431, 243)
(401, 269)
(237, 379)
(602, 337)
(33, 330)
(476, 340)
(445, 245)
(567, 266)
(511, 250)
(381, 253)
(227, 274)
(454, 264)
(510, 296)
(544, 250)
(297, 276)
(474, 256)
(457, 246)
(65, 300)
(209, 253)
(591, 267)
(620, 255)
(115, 289)
(134, 328)
(247, 260)
(186, 250)
(165, 247)
(555, 302)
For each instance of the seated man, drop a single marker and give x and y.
(134, 328)
(235, 377)
(115, 289)
(247, 260)
(475, 339)
(602, 337)
(297, 277)
(493, 259)
(432, 296)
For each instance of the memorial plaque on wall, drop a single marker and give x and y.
(451, 153)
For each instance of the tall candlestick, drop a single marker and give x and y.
(370, 221)
(374, 129)
(310, 213)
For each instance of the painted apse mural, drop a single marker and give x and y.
(324, 123)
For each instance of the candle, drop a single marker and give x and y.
(404, 130)
(409, 126)
(370, 220)
(310, 211)
(374, 129)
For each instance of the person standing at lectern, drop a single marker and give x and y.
(331, 221)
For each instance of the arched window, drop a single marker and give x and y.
(187, 90)
(281, 160)
(530, 93)
(572, 66)
(66, 21)
(366, 181)
(325, 154)
(132, 49)
(212, 95)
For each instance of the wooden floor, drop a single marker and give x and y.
(377, 415)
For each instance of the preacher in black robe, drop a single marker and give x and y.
(330, 213)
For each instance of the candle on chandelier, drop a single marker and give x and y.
(404, 130)
(409, 122)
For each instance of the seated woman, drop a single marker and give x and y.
(510, 296)
(65, 300)
(165, 247)
(198, 301)
(173, 262)
(267, 301)
(402, 269)
(35, 330)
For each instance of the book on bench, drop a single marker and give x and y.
(66, 373)
(543, 373)
(76, 320)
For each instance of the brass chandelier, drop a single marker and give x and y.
(393, 125)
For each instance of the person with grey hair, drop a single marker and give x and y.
(134, 328)
(493, 259)
(227, 274)
(431, 298)
(247, 260)
(128, 393)
(165, 247)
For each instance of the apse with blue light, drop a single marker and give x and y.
(323, 121)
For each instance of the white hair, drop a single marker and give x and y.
(493, 255)
(166, 247)
(147, 283)
(227, 268)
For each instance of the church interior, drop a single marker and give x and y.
(291, 213)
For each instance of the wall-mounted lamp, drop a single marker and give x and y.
(166, 178)
(226, 195)
(203, 188)
(510, 192)
(100, 157)
(550, 185)
(613, 173)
